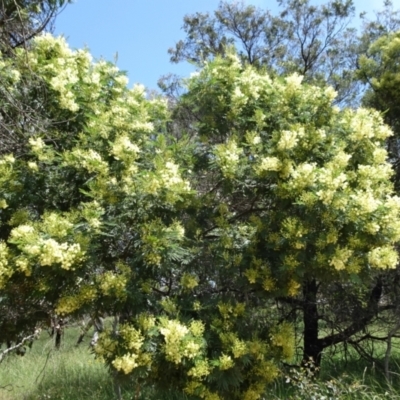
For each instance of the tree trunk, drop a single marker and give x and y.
(312, 346)
(59, 330)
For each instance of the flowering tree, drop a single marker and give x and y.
(291, 196)
(192, 242)
(20, 21)
(99, 146)
(297, 195)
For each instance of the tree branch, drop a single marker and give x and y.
(18, 345)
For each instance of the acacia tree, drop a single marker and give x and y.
(41, 186)
(318, 43)
(191, 240)
(285, 204)
(93, 214)
(298, 181)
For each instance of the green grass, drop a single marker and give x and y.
(72, 373)
(46, 373)
(342, 376)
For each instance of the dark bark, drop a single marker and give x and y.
(59, 330)
(312, 345)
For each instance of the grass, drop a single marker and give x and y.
(72, 373)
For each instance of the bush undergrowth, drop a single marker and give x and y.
(72, 373)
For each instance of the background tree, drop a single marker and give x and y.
(21, 20)
(314, 41)
(379, 69)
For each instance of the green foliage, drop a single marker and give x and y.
(190, 241)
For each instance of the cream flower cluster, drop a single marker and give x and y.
(173, 333)
(181, 341)
(146, 322)
(268, 164)
(90, 160)
(176, 230)
(166, 177)
(383, 257)
(123, 149)
(133, 339)
(126, 363)
(225, 362)
(303, 176)
(56, 225)
(113, 284)
(5, 271)
(62, 71)
(340, 258)
(288, 139)
(227, 157)
(52, 252)
(294, 81)
(367, 124)
(25, 232)
(170, 175)
(200, 369)
(37, 144)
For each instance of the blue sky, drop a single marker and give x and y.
(141, 31)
